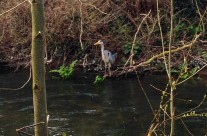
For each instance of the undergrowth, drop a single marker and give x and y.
(65, 72)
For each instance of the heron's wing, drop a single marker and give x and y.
(106, 56)
(113, 58)
(114, 55)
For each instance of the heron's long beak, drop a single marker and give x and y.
(97, 43)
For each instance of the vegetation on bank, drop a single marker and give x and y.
(73, 26)
(65, 72)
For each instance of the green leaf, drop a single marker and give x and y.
(98, 80)
(65, 71)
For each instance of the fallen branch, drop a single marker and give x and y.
(133, 68)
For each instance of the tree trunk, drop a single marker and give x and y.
(38, 68)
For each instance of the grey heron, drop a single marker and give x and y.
(107, 57)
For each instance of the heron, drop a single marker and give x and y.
(107, 57)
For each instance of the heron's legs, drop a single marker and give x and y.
(105, 64)
(109, 68)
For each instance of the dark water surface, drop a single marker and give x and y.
(118, 107)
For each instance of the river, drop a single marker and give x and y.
(118, 107)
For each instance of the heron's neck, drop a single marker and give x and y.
(102, 47)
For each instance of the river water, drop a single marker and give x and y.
(118, 107)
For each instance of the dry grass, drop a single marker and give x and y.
(110, 20)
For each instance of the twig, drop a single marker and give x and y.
(164, 92)
(128, 61)
(133, 68)
(191, 75)
(201, 16)
(72, 20)
(81, 25)
(19, 130)
(142, 88)
(85, 60)
(98, 9)
(204, 97)
(135, 37)
(167, 52)
(152, 129)
(180, 115)
(186, 127)
(15, 89)
(161, 34)
(128, 15)
(13, 8)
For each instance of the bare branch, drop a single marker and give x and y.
(13, 8)
(81, 25)
(135, 37)
(15, 89)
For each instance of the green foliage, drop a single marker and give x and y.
(189, 73)
(64, 134)
(186, 29)
(192, 30)
(179, 27)
(120, 27)
(65, 71)
(98, 80)
(183, 71)
(204, 54)
(128, 46)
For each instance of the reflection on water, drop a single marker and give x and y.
(116, 108)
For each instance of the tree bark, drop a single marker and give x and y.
(38, 68)
(172, 86)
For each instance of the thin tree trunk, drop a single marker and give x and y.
(169, 69)
(38, 68)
